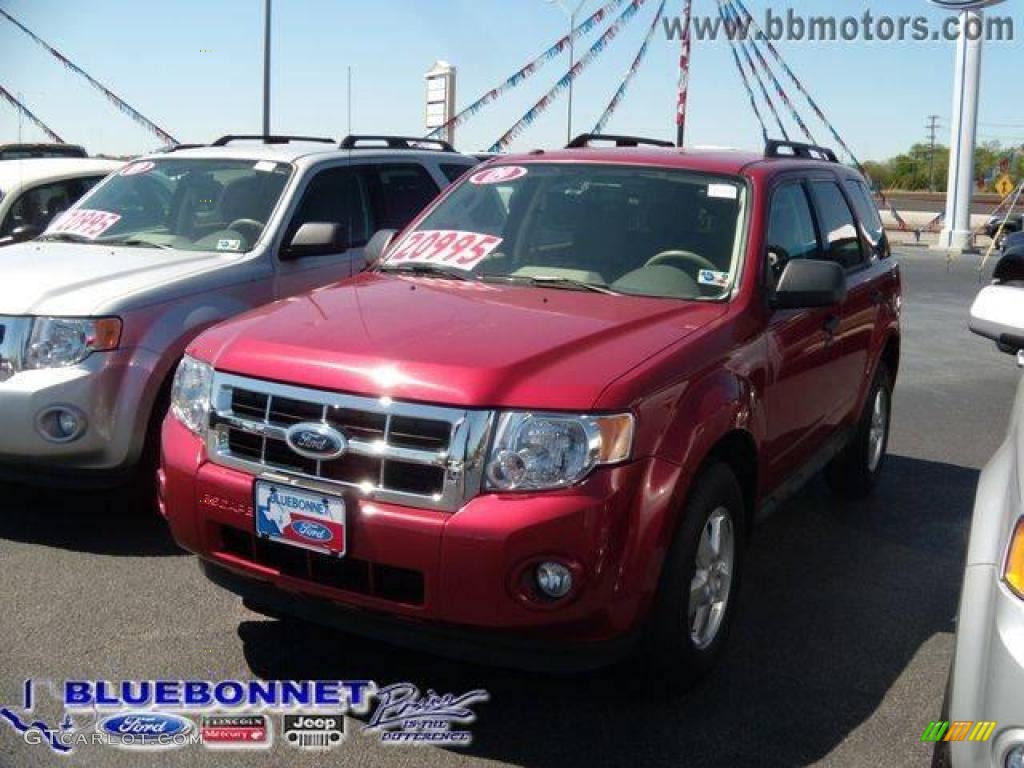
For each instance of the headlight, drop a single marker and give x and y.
(538, 451)
(60, 342)
(190, 394)
(1013, 573)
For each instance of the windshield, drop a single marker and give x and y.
(621, 229)
(187, 204)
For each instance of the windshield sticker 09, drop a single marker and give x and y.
(229, 245)
(137, 168)
(722, 192)
(85, 223)
(444, 246)
(265, 166)
(710, 277)
(498, 175)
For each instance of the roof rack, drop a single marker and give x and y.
(225, 140)
(397, 142)
(798, 150)
(585, 139)
(177, 148)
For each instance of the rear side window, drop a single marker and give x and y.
(867, 211)
(454, 172)
(791, 233)
(404, 190)
(838, 228)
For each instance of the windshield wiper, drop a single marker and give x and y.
(555, 281)
(132, 242)
(66, 237)
(428, 270)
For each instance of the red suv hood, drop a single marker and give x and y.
(440, 341)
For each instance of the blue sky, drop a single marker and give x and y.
(195, 68)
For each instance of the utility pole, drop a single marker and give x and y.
(572, 13)
(933, 127)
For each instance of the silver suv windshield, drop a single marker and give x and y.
(181, 203)
(610, 229)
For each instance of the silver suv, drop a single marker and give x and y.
(96, 313)
(985, 719)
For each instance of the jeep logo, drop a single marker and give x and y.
(316, 441)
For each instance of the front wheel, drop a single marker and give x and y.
(699, 583)
(854, 473)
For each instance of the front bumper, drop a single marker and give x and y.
(439, 573)
(988, 668)
(111, 390)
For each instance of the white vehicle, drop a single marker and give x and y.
(96, 313)
(34, 191)
(986, 693)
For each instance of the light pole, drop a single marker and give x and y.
(572, 13)
(266, 67)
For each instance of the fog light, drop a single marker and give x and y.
(1015, 757)
(60, 425)
(554, 579)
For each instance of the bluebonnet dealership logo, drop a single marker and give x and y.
(404, 715)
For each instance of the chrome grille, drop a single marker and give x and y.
(418, 455)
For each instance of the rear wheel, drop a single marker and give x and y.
(699, 583)
(854, 473)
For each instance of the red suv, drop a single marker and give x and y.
(539, 427)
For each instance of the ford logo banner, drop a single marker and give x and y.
(145, 728)
(319, 442)
(312, 531)
(964, 5)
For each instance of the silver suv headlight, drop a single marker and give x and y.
(543, 451)
(60, 342)
(190, 394)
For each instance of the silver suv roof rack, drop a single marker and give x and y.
(395, 142)
(271, 139)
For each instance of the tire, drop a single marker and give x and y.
(854, 473)
(679, 650)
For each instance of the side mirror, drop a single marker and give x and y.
(806, 283)
(315, 238)
(25, 232)
(1010, 268)
(378, 246)
(998, 314)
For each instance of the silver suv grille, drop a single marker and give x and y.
(406, 453)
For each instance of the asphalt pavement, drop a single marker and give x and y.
(839, 654)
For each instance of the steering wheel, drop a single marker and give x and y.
(250, 228)
(691, 261)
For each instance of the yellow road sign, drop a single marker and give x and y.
(1005, 185)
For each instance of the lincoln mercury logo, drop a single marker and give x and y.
(964, 5)
(316, 441)
(964, 730)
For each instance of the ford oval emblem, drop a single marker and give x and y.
(146, 728)
(319, 442)
(964, 5)
(312, 531)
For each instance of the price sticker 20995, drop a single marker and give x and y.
(460, 249)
